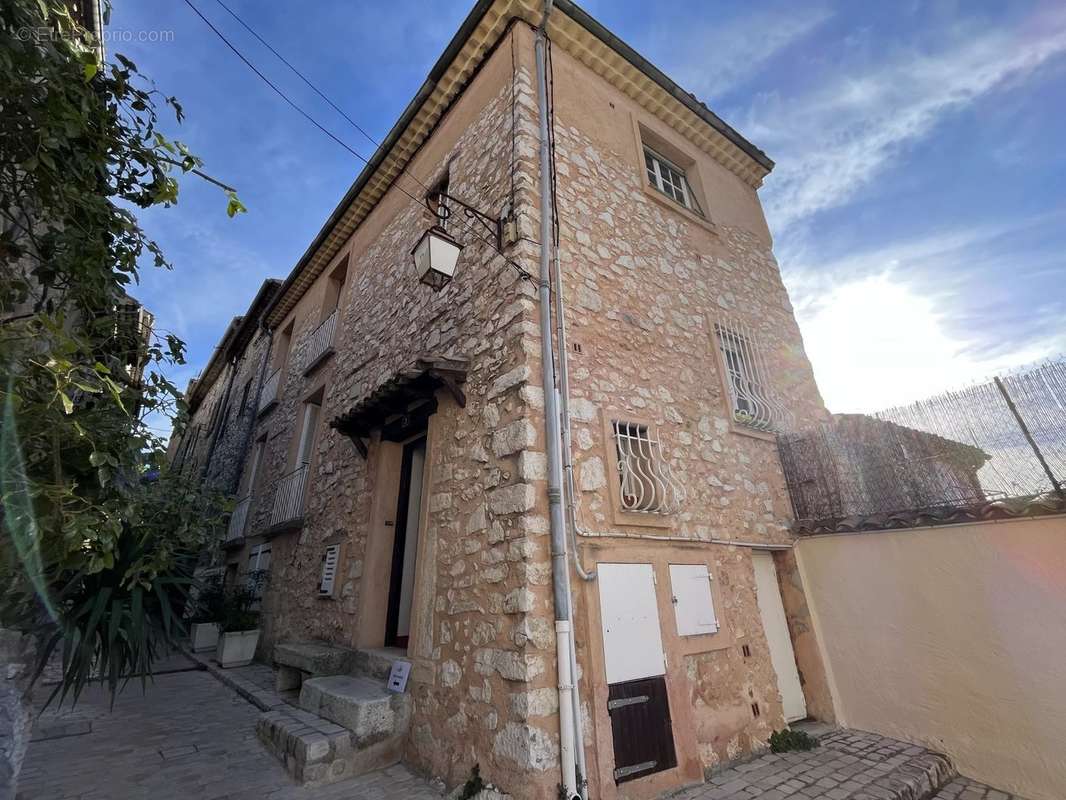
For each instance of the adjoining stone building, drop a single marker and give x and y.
(222, 401)
(396, 474)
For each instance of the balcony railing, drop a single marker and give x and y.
(238, 519)
(269, 396)
(320, 343)
(289, 498)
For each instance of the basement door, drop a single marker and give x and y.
(405, 547)
(775, 625)
(636, 671)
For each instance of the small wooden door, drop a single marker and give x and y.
(775, 625)
(633, 653)
(405, 547)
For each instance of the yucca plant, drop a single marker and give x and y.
(113, 622)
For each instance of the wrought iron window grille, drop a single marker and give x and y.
(755, 403)
(645, 480)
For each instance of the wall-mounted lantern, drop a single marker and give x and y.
(436, 255)
(437, 252)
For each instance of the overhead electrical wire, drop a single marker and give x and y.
(307, 80)
(522, 272)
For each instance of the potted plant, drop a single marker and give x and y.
(208, 610)
(239, 629)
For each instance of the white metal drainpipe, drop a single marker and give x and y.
(571, 511)
(557, 519)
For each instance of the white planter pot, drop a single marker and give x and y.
(236, 648)
(203, 636)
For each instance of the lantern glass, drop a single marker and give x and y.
(435, 257)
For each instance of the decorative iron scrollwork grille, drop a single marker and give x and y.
(645, 480)
(755, 403)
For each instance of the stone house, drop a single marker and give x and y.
(396, 478)
(222, 402)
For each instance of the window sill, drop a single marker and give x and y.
(677, 208)
(638, 519)
(744, 430)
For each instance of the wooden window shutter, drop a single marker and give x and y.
(690, 585)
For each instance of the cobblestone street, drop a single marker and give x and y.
(188, 738)
(849, 765)
(191, 736)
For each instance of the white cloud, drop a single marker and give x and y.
(832, 141)
(876, 342)
(710, 58)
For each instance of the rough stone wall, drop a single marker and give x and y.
(234, 421)
(484, 643)
(644, 285)
(234, 439)
(18, 656)
(723, 684)
(192, 451)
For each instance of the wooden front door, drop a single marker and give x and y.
(636, 671)
(405, 547)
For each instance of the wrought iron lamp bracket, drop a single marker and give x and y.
(443, 211)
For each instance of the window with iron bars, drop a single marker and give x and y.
(645, 481)
(755, 403)
(670, 179)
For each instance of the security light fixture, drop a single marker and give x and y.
(436, 255)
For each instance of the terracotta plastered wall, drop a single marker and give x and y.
(482, 640)
(646, 280)
(952, 637)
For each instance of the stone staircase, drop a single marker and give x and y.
(344, 724)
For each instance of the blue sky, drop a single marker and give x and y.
(918, 204)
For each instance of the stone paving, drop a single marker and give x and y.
(188, 737)
(191, 736)
(849, 765)
(965, 789)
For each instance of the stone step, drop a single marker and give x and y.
(377, 662)
(296, 661)
(362, 705)
(316, 751)
(345, 726)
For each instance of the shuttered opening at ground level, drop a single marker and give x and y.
(635, 667)
(640, 726)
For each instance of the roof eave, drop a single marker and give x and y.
(440, 67)
(586, 21)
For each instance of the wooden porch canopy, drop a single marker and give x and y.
(404, 402)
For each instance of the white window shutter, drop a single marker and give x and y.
(329, 569)
(693, 600)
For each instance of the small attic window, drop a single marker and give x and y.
(670, 179)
